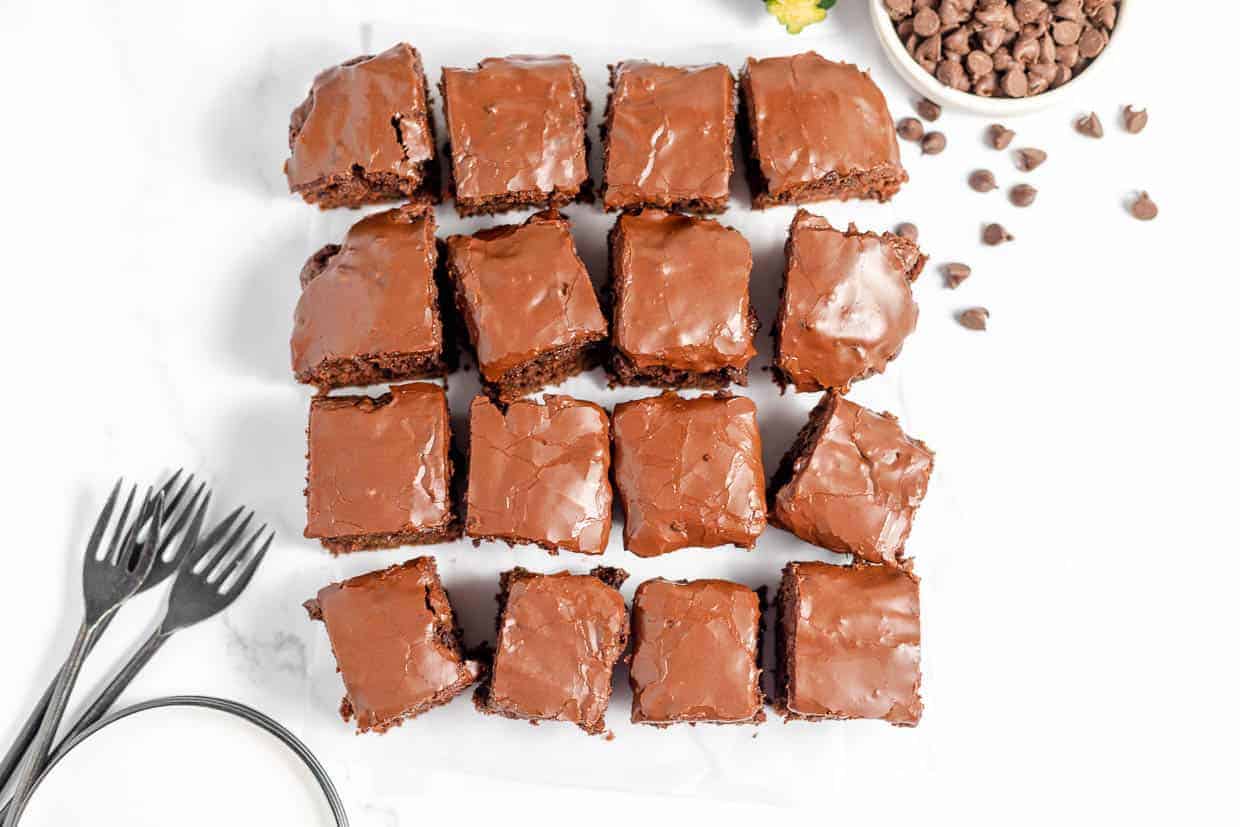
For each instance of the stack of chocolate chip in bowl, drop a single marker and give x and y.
(392, 304)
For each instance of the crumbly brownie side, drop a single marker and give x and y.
(907, 250)
(785, 638)
(803, 446)
(878, 183)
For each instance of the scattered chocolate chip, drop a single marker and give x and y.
(907, 231)
(910, 129)
(955, 273)
(1029, 159)
(1144, 208)
(994, 234)
(933, 143)
(982, 180)
(1022, 195)
(929, 110)
(1000, 136)
(1135, 119)
(974, 318)
(1089, 125)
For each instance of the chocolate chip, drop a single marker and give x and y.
(1066, 32)
(926, 22)
(910, 129)
(933, 143)
(1070, 10)
(957, 43)
(1022, 195)
(1105, 16)
(982, 180)
(979, 63)
(1000, 136)
(951, 74)
(929, 110)
(907, 231)
(955, 273)
(1029, 159)
(994, 234)
(1092, 42)
(1143, 208)
(1135, 119)
(1026, 50)
(1028, 11)
(1014, 83)
(899, 9)
(974, 318)
(986, 86)
(1089, 125)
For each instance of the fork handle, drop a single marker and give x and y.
(13, 758)
(117, 685)
(37, 755)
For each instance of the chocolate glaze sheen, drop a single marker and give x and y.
(348, 120)
(689, 472)
(683, 293)
(859, 487)
(815, 117)
(375, 295)
(695, 649)
(670, 133)
(516, 125)
(540, 473)
(847, 303)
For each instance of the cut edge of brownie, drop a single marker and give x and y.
(621, 370)
(877, 183)
(803, 446)
(554, 198)
(610, 576)
(694, 206)
(449, 635)
(359, 187)
(907, 251)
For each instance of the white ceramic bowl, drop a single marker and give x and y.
(926, 84)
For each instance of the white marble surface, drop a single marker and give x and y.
(1076, 548)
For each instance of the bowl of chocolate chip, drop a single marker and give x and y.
(997, 57)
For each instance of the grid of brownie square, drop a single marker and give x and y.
(379, 470)
(848, 643)
(364, 134)
(695, 653)
(369, 308)
(527, 303)
(679, 295)
(559, 638)
(667, 138)
(816, 130)
(688, 472)
(396, 644)
(852, 482)
(517, 133)
(846, 305)
(540, 473)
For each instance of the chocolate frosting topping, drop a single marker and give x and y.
(559, 639)
(517, 125)
(847, 303)
(392, 635)
(859, 484)
(689, 472)
(379, 465)
(682, 290)
(540, 473)
(370, 112)
(669, 133)
(695, 652)
(376, 294)
(856, 642)
(814, 117)
(523, 291)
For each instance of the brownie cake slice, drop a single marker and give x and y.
(667, 137)
(559, 639)
(679, 298)
(397, 646)
(369, 308)
(846, 305)
(364, 134)
(816, 130)
(527, 303)
(516, 132)
(379, 470)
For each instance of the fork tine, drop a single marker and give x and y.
(145, 557)
(172, 501)
(229, 564)
(210, 544)
(119, 530)
(190, 510)
(229, 546)
(247, 572)
(101, 525)
(189, 543)
(167, 486)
